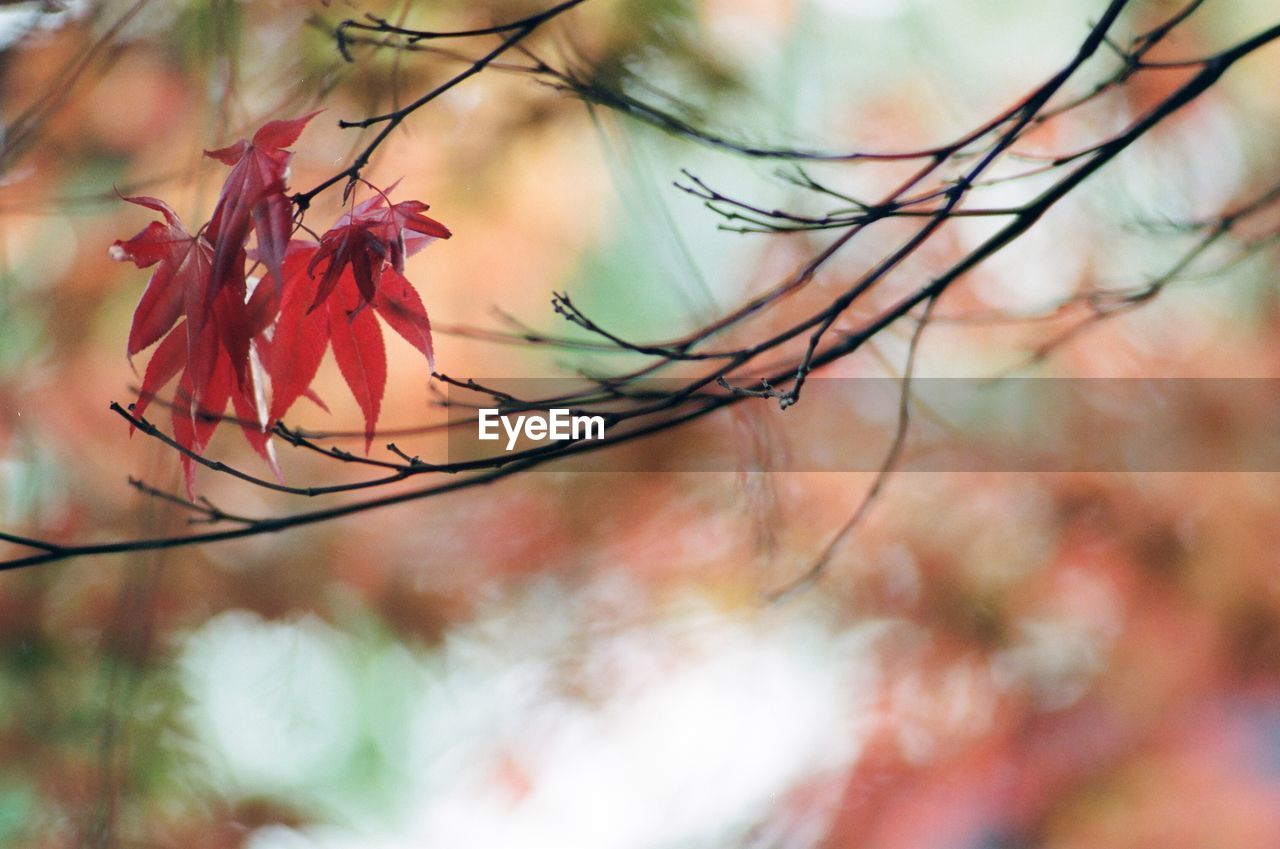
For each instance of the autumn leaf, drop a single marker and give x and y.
(165, 363)
(253, 197)
(362, 359)
(399, 305)
(358, 247)
(256, 344)
(301, 335)
(182, 271)
(250, 406)
(196, 416)
(415, 229)
(371, 237)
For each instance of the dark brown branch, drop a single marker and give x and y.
(391, 120)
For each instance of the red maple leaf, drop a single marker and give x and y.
(357, 346)
(212, 356)
(177, 285)
(373, 236)
(398, 304)
(253, 197)
(257, 345)
(205, 386)
(302, 333)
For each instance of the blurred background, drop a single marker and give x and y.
(990, 661)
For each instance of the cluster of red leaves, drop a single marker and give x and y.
(258, 346)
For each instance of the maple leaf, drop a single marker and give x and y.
(208, 381)
(362, 358)
(257, 345)
(253, 197)
(358, 247)
(195, 418)
(182, 269)
(302, 334)
(362, 257)
(399, 305)
(250, 406)
(373, 236)
(207, 356)
(165, 363)
(416, 230)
